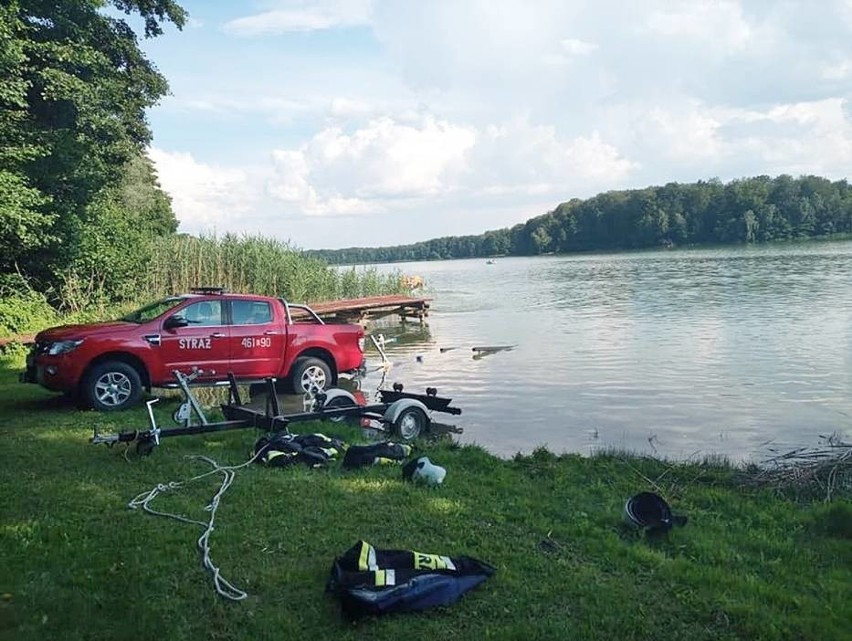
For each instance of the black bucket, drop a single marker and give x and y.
(650, 512)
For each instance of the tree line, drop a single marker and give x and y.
(79, 199)
(749, 210)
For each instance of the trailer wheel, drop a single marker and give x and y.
(112, 386)
(410, 423)
(310, 375)
(337, 403)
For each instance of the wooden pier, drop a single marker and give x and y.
(363, 310)
(24, 339)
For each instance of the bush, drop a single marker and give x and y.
(22, 309)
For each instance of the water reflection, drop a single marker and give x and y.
(403, 334)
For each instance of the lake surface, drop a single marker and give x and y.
(675, 353)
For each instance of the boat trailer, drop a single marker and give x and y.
(401, 414)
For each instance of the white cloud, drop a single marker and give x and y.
(473, 44)
(340, 173)
(391, 164)
(719, 22)
(519, 157)
(204, 196)
(347, 107)
(303, 16)
(697, 140)
(569, 50)
(575, 47)
(594, 160)
(813, 137)
(687, 134)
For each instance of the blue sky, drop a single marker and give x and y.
(333, 123)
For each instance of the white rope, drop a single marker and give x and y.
(143, 500)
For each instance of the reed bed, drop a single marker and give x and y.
(175, 264)
(825, 469)
(255, 264)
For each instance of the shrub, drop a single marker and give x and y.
(23, 310)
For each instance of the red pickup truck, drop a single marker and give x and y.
(107, 365)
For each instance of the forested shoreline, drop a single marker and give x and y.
(750, 210)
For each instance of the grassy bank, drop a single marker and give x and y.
(76, 563)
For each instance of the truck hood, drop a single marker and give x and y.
(67, 332)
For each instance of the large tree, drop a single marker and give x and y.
(74, 88)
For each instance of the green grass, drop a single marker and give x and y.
(76, 563)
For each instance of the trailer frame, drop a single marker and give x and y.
(401, 414)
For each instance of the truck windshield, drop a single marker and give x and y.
(153, 310)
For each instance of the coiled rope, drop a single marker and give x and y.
(143, 500)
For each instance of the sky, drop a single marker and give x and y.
(341, 123)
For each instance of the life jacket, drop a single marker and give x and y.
(371, 581)
(314, 450)
(375, 454)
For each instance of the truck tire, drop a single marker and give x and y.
(111, 386)
(310, 374)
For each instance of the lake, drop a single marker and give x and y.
(731, 351)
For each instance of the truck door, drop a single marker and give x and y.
(257, 339)
(202, 343)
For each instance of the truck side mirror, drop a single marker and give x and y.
(173, 322)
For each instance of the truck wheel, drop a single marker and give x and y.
(112, 386)
(310, 375)
(410, 423)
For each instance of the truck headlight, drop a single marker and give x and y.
(63, 347)
(361, 342)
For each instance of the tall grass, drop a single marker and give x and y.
(175, 264)
(254, 264)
